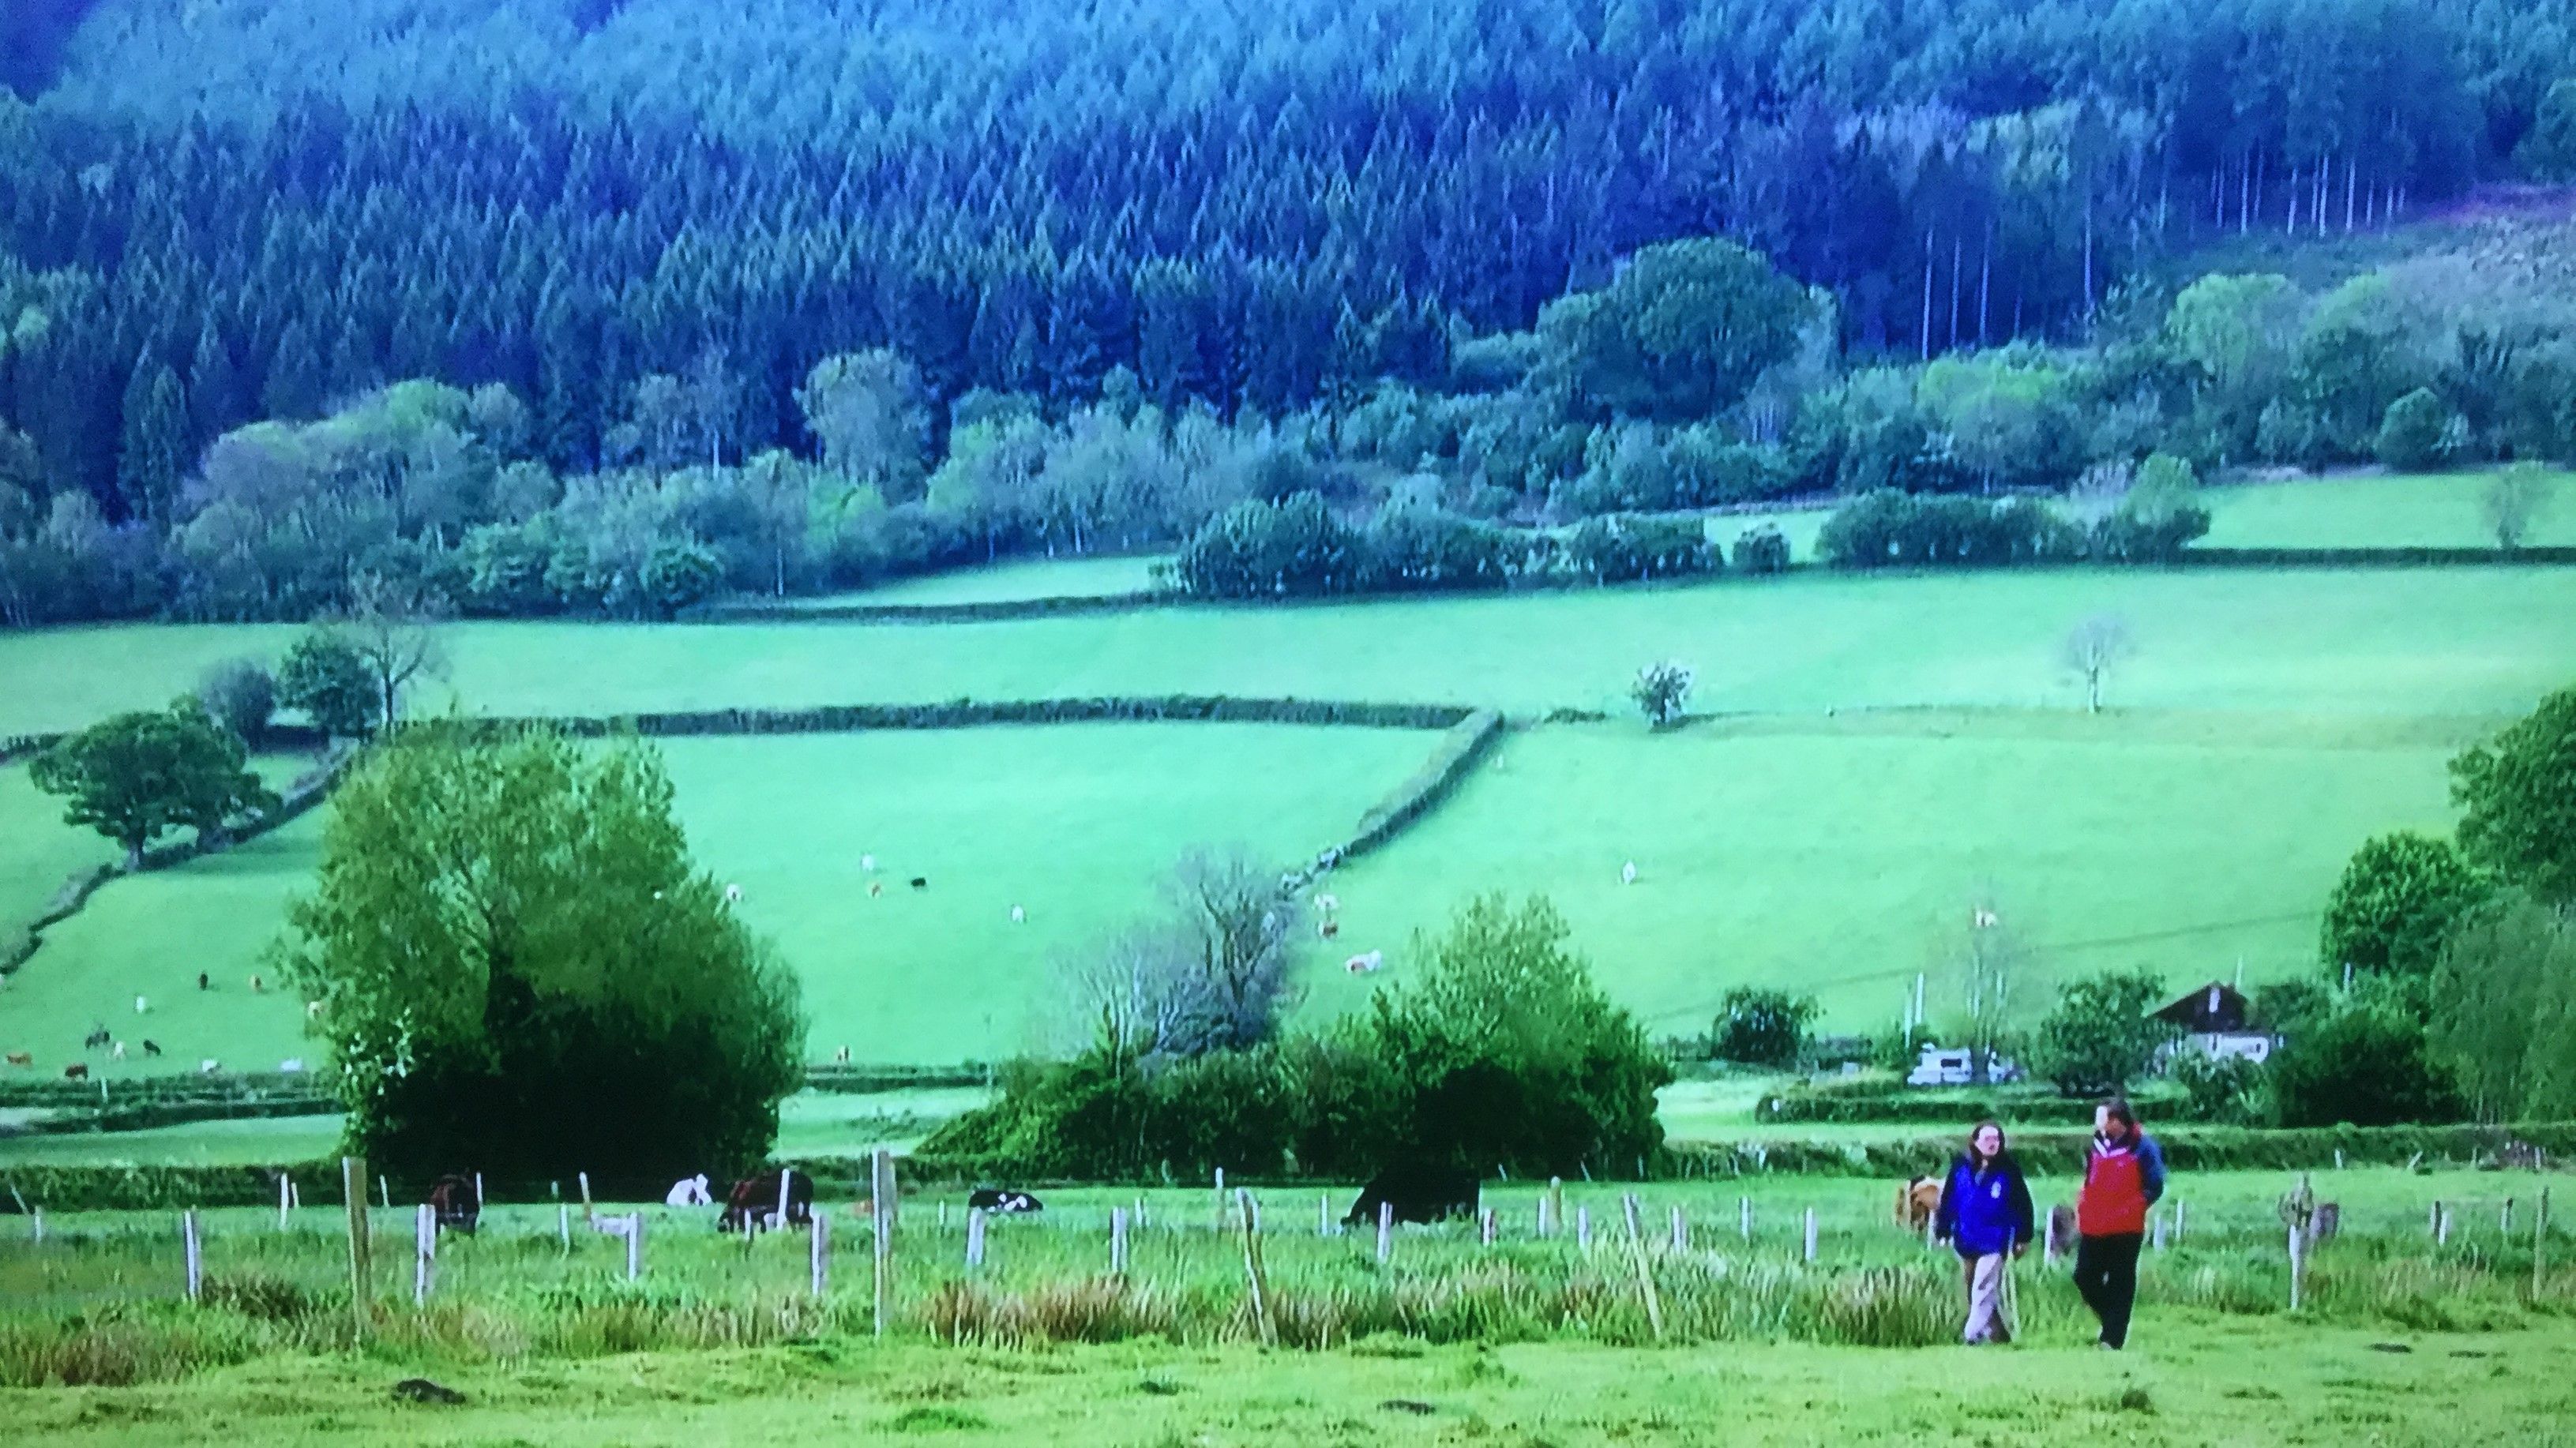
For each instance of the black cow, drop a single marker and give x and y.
(95, 1039)
(1418, 1193)
(753, 1203)
(921, 882)
(458, 1206)
(1003, 1199)
(151, 1047)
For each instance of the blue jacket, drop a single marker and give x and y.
(1985, 1213)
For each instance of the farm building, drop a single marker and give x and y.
(2213, 1019)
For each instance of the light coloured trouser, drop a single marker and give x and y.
(1986, 1298)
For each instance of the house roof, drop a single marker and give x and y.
(2190, 1003)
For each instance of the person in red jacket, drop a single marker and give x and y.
(2123, 1176)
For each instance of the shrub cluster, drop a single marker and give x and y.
(1886, 528)
(1300, 548)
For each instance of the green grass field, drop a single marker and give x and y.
(2439, 510)
(1840, 856)
(1010, 582)
(2478, 641)
(1074, 823)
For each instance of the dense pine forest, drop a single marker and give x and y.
(1184, 246)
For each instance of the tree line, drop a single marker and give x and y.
(260, 211)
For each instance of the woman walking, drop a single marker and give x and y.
(1985, 1214)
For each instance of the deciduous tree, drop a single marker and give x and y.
(139, 775)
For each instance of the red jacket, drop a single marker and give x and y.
(2121, 1180)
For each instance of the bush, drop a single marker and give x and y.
(2411, 431)
(1625, 549)
(1761, 549)
(2365, 1064)
(1255, 549)
(2100, 1037)
(241, 695)
(1888, 528)
(2227, 1090)
(1762, 1027)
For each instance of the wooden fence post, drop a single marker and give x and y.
(1118, 1240)
(2298, 1261)
(424, 1230)
(585, 1195)
(385, 1190)
(1645, 1270)
(1485, 1226)
(974, 1238)
(37, 1216)
(2433, 1222)
(1811, 1234)
(880, 1188)
(786, 1175)
(1681, 1230)
(285, 1196)
(1385, 1231)
(563, 1224)
(1220, 1199)
(1582, 1227)
(634, 1246)
(479, 1201)
(196, 1259)
(353, 1190)
(1253, 1273)
(819, 1253)
(1629, 1213)
(1323, 1215)
(2182, 1218)
(2441, 1224)
(2539, 1240)
(2504, 1223)
(1744, 1217)
(1555, 1207)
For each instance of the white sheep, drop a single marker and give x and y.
(291, 1065)
(1365, 964)
(1019, 915)
(1328, 903)
(141, 1005)
(117, 1054)
(312, 1010)
(733, 894)
(868, 864)
(1628, 873)
(209, 1066)
(689, 1192)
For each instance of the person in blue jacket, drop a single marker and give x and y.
(1985, 1214)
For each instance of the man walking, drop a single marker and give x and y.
(2123, 1177)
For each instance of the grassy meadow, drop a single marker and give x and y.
(2474, 641)
(2396, 510)
(1010, 582)
(1534, 1339)
(1075, 824)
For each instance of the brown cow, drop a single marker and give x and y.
(752, 1203)
(1917, 1202)
(76, 1071)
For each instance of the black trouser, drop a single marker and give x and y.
(2106, 1272)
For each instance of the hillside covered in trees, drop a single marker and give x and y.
(656, 236)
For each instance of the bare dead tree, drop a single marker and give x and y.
(2092, 649)
(1228, 902)
(393, 623)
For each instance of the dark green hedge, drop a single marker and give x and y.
(962, 713)
(2187, 1148)
(2416, 557)
(865, 1080)
(58, 1094)
(767, 611)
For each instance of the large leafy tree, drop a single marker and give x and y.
(1682, 333)
(2398, 898)
(2504, 1012)
(519, 969)
(325, 676)
(138, 776)
(2518, 794)
(1505, 1053)
(2100, 1037)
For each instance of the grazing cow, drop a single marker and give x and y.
(1628, 873)
(151, 1047)
(204, 982)
(22, 1058)
(1328, 903)
(290, 1066)
(1374, 960)
(94, 1039)
(116, 1052)
(689, 1192)
(1327, 929)
(753, 1203)
(1418, 1192)
(141, 1005)
(458, 1207)
(1917, 1201)
(76, 1071)
(868, 863)
(312, 1010)
(733, 894)
(209, 1066)
(921, 882)
(875, 888)
(1019, 916)
(1004, 1200)
(257, 985)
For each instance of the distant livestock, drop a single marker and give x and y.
(689, 1192)
(257, 985)
(733, 894)
(1628, 873)
(921, 882)
(209, 1066)
(1328, 903)
(204, 982)
(116, 1052)
(22, 1058)
(875, 889)
(753, 1203)
(868, 863)
(141, 1005)
(841, 1057)
(1004, 1200)
(76, 1071)
(1917, 1201)
(458, 1207)
(151, 1047)
(1370, 963)
(312, 1010)
(1019, 915)
(290, 1066)
(1418, 1192)
(1327, 929)
(94, 1039)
